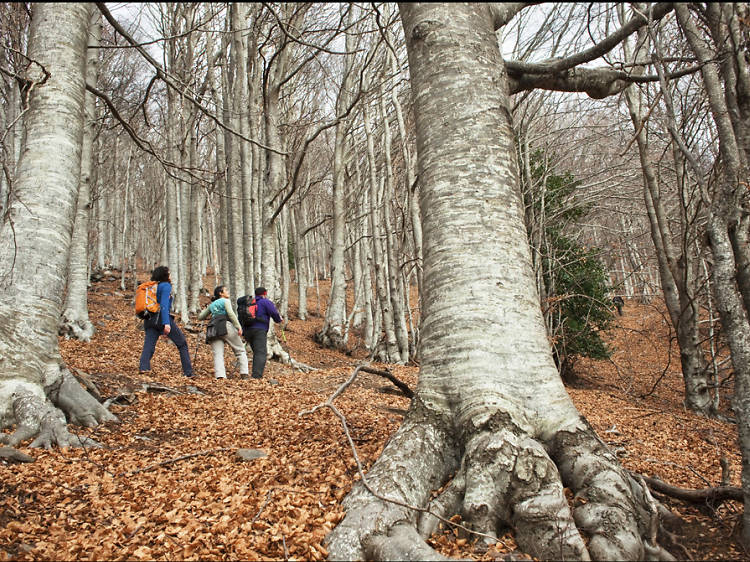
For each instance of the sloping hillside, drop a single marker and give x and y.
(168, 483)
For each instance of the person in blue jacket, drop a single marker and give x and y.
(257, 332)
(162, 324)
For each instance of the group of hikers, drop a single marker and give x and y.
(230, 331)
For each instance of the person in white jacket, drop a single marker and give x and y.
(221, 304)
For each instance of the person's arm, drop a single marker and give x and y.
(273, 313)
(204, 313)
(162, 296)
(232, 316)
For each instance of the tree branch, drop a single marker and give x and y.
(163, 75)
(705, 495)
(553, 66)
(144, 144)
(403, 387)
(503, 12)
(598, 83)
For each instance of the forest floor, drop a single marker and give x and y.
(168, 483)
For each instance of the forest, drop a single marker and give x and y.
(508, 244)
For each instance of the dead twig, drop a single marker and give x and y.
(711, 496)
(329, 404)
(403, 387)
(262, 507)
(174, 460)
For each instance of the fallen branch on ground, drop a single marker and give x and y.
(329, 404)
(714, 495)
(403, 387)
(174, 460)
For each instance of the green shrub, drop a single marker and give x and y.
(575, 289)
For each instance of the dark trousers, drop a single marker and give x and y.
(258, 340)
(178, 338)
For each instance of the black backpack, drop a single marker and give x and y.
(247, 310)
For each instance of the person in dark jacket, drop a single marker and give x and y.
(257, 332)
(619, 303)
(162, 324)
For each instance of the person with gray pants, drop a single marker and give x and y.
(222, 305)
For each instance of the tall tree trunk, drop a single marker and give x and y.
(678, 294)
(256, 192)
(300, 261)
(243, 164)
(395, 288)
(124, 229)
(283, 238)
(490, 407)
(37, 392)
(195, 247)
(335, 322)
(675, 264)
(391, 352)
(724, 215)
(75, 317)
(230, 175)
(220, 227)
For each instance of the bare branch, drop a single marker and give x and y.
(503, 12)
(592, 53)
(598, 83)
(163, 75)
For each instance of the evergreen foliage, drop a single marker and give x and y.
(575, 290)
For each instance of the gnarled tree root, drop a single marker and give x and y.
(45, 420)
(703, 496)
(503, 479)
(76, 326)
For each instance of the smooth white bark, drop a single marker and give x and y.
(35, 244)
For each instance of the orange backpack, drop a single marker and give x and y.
(145, 299)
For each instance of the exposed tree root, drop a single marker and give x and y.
(45, 420)
(277, 352)
(11, 455)
(707, 496)
(77, 404)
(331, 338)
(40, 419)
(505, 478)
(73, 326)
(84, 379)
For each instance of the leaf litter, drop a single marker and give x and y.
(168, 483)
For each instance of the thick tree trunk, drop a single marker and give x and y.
(334, 323)
(724, 215)
(75, 318)
(490, 405)
(34, 249)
